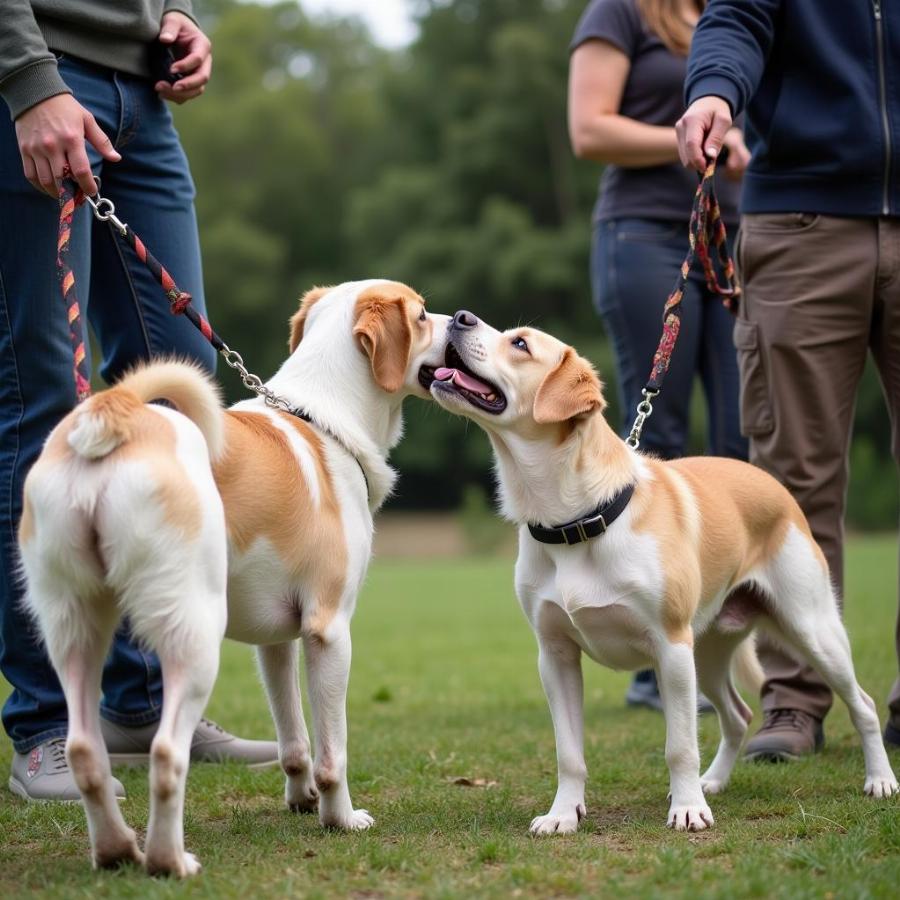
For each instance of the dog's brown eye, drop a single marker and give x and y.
(422, 316)
(519, 344)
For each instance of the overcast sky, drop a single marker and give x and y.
(387, 19)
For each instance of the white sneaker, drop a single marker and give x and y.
(43, 775)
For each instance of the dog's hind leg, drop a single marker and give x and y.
(713, 655)
(188, 679)
(804, 611)
(80, 668)
(689, 810)
(279, 664)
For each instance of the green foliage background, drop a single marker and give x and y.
(321, 157)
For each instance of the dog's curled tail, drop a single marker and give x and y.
(746, 667)
(107, 420)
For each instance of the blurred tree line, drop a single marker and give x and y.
(321, 157)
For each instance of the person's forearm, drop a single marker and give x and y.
(28, 72)
(620, 141)
(729, 50)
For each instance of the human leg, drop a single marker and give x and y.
(802, 339)
(721, 380)
(36, 391)
(885, 344)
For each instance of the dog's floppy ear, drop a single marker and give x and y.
(571, 389)
(298, 319)
(384, 334)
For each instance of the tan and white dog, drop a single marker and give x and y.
(143, 511)
(703, 550)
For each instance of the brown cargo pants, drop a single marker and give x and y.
(820, 292)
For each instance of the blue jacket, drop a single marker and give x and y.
(820, 83)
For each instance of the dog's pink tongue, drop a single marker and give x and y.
(463, 380)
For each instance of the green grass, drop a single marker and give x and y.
(444, 684)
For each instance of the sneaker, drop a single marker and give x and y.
(891, 735)
(211, 743)
(785, 735)
(43, 775)
(644, 691)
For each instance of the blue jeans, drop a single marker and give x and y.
(153, 192)
(634, 263)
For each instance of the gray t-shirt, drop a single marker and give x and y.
(653, 94)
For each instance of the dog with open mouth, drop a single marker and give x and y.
(197, 523)
(637, 562)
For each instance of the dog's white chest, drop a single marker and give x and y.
(601, 592)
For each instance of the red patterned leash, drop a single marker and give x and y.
(706, 236)
(70, 198)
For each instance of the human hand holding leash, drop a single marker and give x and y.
(702, 130)
(52, 136)
(195, 62)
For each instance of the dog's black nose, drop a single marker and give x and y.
(464, 319)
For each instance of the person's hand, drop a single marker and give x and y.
(195, 63)
(738, 155)
(52, 135)
(701, 131)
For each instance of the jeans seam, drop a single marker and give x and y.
(120, 138)
(154, 708)
(131, 286)
(36, 740)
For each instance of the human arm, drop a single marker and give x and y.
(28, 72)
(194, 49)
(598, 71)
(51, 125)
(728, 55)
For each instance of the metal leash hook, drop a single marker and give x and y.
(105, 210)
(644, 411)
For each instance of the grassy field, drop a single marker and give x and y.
(444, 685)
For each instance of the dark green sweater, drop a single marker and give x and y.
(114, 34)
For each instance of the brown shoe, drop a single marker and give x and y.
(785, 735)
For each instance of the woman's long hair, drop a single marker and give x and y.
(665, 19)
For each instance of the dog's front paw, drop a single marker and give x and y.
(356, 820)
(882, 785)
(565, 822)
(692, 817)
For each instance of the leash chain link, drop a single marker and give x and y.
(105, 211)
(253, 382)
(644, 411)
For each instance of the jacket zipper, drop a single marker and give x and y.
(885, 122)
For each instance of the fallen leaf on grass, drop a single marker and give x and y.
(463, 781)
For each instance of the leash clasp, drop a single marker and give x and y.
(104, 210)
(644, 411)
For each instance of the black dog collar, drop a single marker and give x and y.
(590, 526)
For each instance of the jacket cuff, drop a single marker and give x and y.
(33, 83)
(716, 86)
(182, 6)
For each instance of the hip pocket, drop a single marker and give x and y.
(756, 407)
